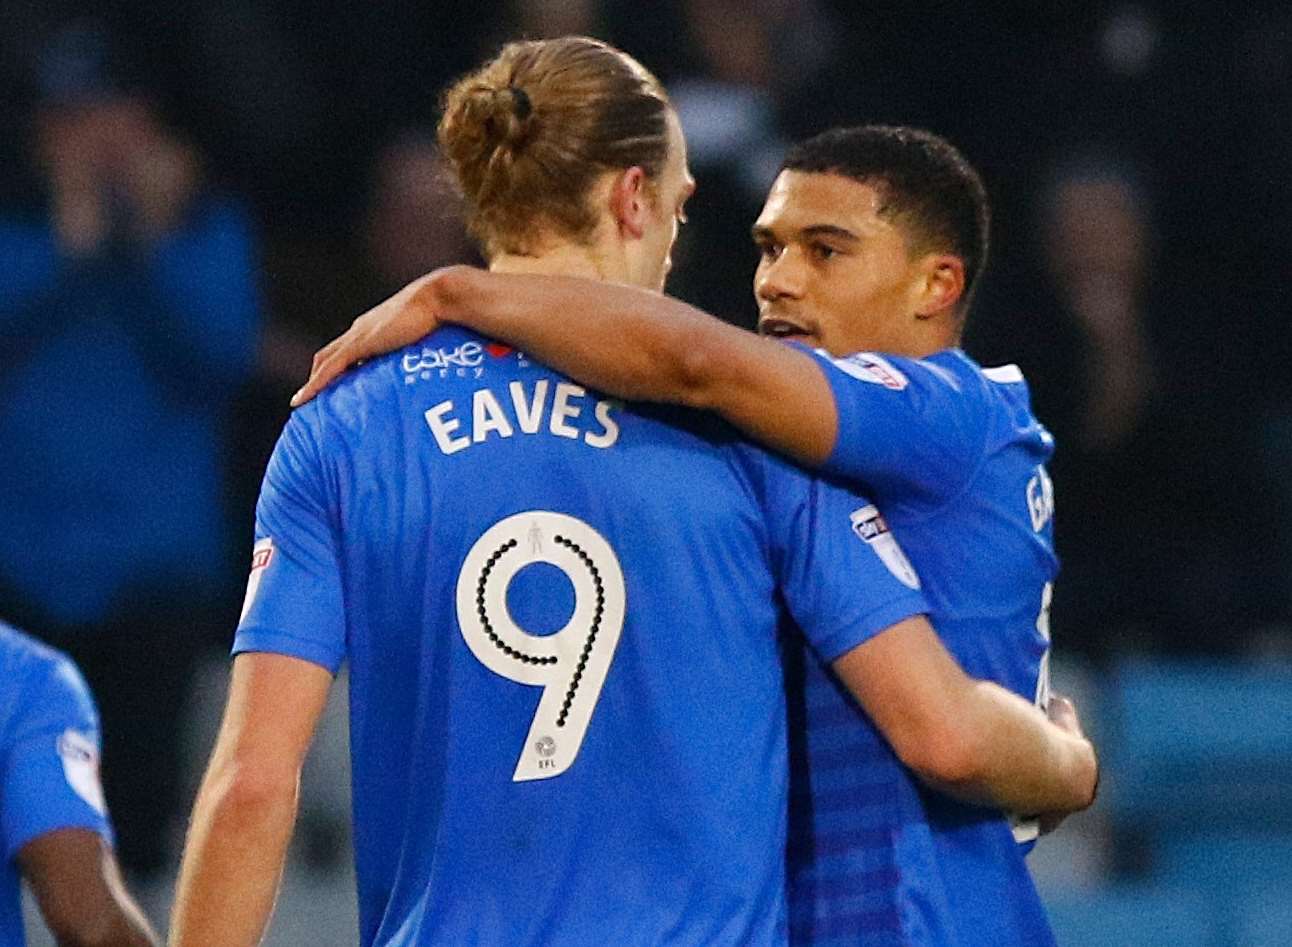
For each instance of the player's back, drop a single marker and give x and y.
(900, 864)
(566, 707)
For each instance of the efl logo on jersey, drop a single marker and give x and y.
(261, 555)
(867, 366)
(80, 758)
(870, 527)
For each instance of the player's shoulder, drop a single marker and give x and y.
(1003, 385)
(998, 385)
(948, 371)
(42, 679)
(443, 360)
(21, 654)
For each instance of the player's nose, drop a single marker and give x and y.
(781, 278)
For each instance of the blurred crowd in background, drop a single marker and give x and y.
(195, 195)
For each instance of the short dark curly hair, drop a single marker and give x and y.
(923, 182)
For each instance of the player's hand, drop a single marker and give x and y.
(398, 321)
(1063, 713)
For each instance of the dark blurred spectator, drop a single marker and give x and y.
(413, 222)
(128, 321)
(548, 19)
(732, 79)
(1153, 514)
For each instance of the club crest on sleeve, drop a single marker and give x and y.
(869, 367)
(871, 529)
(261, 555)
(80, 758)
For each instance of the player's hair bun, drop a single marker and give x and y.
(529, 131)
(483, 132)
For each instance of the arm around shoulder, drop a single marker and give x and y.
(643, 345)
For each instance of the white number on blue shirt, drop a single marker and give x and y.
(1030, 830)
(570, 665)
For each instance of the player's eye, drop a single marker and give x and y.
(823, 251)
(769, 250)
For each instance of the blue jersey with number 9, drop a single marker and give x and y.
(560, 618)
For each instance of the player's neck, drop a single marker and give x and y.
(563, 260)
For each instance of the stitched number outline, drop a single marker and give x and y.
(570, 665)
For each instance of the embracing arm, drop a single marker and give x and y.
(627, 342)
(972, 739)
(246, 808)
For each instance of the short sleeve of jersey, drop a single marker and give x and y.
(907, 428)
(843, 581)
(294, 603)
(50, 779)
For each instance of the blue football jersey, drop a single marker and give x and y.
(560, 616)
(49, 760)
(955, 459)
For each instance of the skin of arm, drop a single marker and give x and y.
(972, 739)
(78, 886)
(627, 342)
(246, 808)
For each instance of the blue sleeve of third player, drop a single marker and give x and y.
(50, 776)
(294, 603)
(843, 577)
(910, 430)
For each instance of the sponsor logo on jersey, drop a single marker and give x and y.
(80, 758)
(871, 528)
(1040, 499)
(261, 555)
(462, 361)
(869, 367)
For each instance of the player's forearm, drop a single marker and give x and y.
(1018, 760)
(130, 928)
(233, 859)
(627, 342)
(645, 346)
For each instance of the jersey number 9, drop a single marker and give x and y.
(570, 665)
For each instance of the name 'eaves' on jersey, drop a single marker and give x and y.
(560, 617)
(954, 457)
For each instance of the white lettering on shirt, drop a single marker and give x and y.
(487, 415)
(529, 415)
(562, 409)
(525, 409)
(443, 428)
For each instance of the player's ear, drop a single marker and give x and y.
(940, 285)
(630, 202)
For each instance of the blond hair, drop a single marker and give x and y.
(529, 132)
